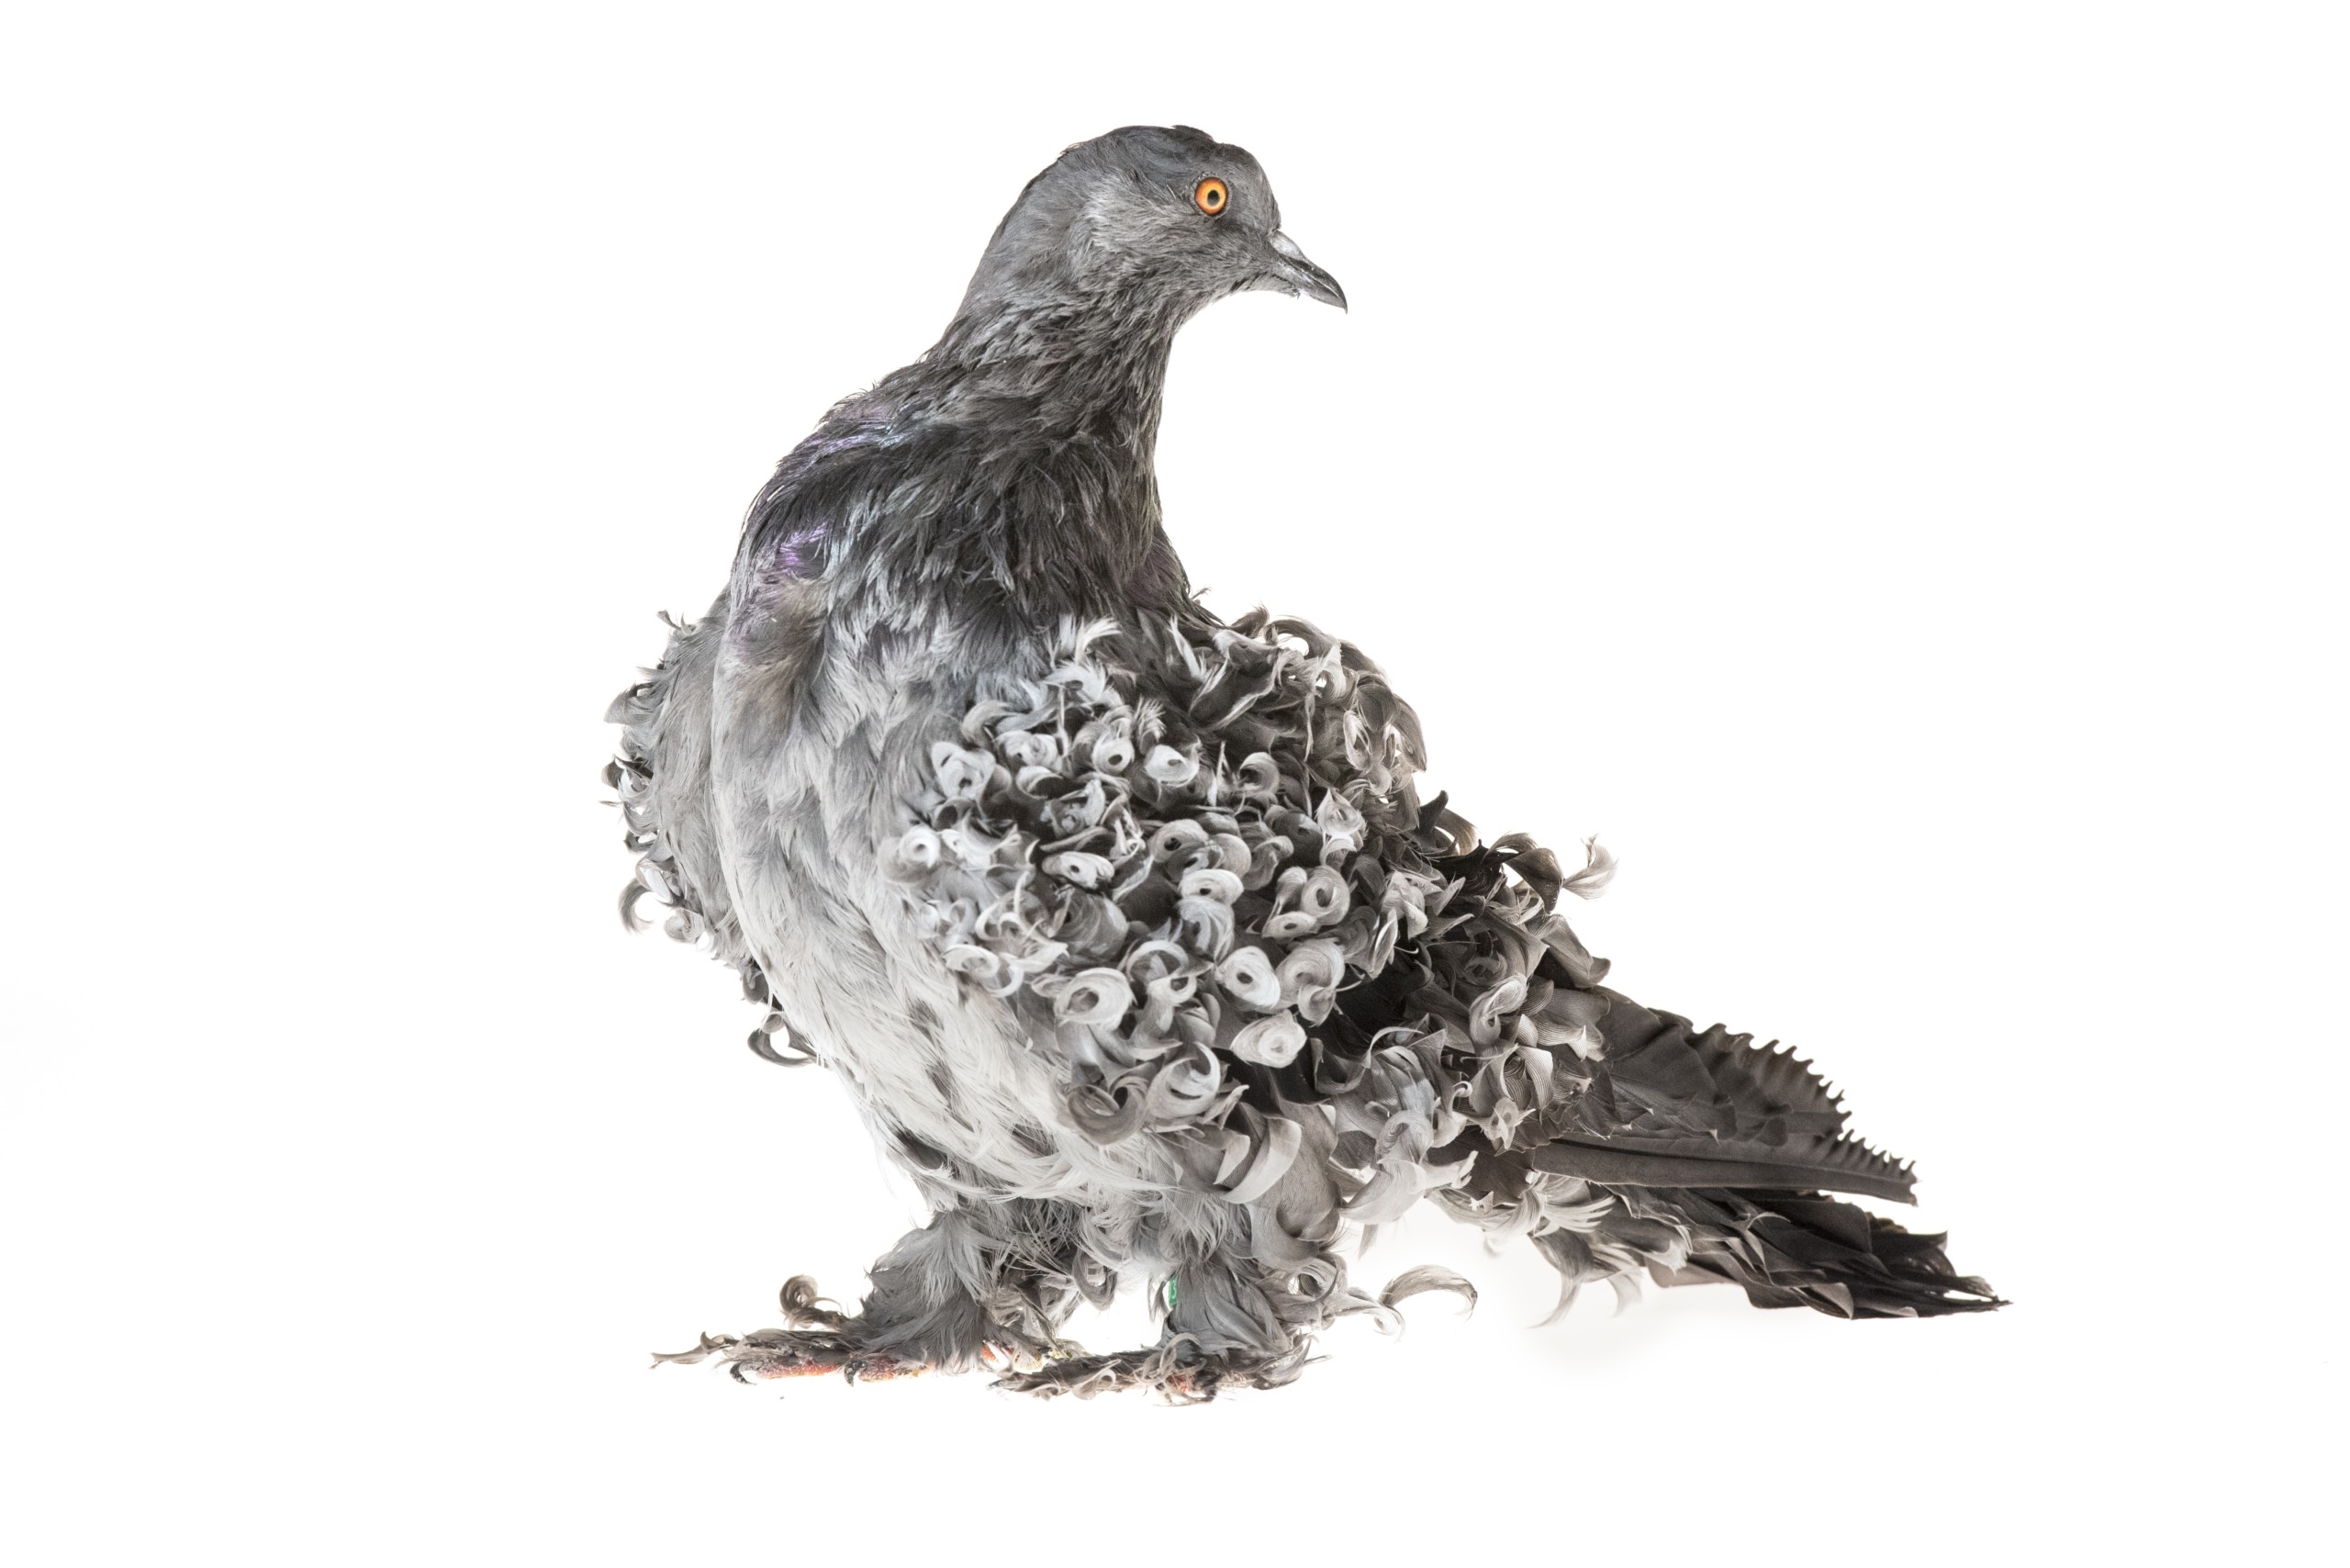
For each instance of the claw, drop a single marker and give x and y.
(707, 1347)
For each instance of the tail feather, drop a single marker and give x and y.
(1789, 1248)
(1772, 1075)
(1845, 1166)
(1673, 1105)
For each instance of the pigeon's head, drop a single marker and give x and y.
(1140, 228)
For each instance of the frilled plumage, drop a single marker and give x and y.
(1126, 927)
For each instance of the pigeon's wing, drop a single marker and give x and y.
(1192, 852)
(663, 779)
(1225, 816)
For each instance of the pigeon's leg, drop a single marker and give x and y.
(981, 1281)
(1229, 1323)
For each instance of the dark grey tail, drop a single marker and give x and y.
(1788, 1248)
(1705, 1138)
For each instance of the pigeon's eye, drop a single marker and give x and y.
(1210, 196)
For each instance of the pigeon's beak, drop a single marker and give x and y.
(1293, 273)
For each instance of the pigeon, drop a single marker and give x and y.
(1126, 927)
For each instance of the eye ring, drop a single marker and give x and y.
(1211, 196)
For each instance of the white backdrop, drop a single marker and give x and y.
(1880, 468)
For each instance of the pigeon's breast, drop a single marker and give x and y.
(815, 802)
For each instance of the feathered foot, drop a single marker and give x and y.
(770, 1353)
(817, 1342)
(1174, 1373)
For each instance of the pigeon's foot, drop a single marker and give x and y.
(771, 1353)
(816, 1343)
(1173, 1372)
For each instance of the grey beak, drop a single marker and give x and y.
(1293, 273)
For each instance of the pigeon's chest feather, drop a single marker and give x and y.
(815, 807)
(822, 757)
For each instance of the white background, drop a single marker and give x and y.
(1881, 467)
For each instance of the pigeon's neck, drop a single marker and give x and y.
(1060, 371)
(1052, 416)
(1003, 482)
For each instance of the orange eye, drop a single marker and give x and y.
(1210, 196)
